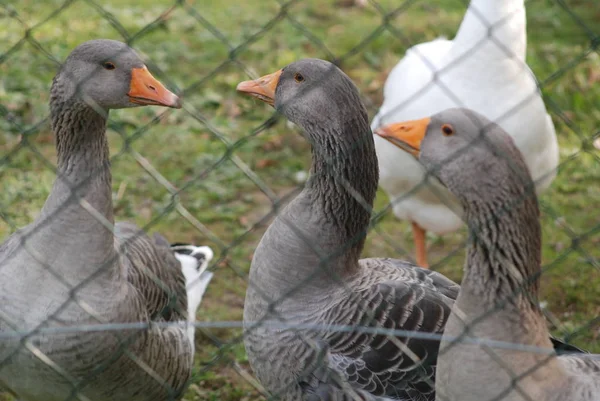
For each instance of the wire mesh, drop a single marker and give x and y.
(220, 169)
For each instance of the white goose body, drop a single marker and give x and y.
(484, 73)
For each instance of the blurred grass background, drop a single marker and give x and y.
(199, 46)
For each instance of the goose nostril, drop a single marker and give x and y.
(151, 87)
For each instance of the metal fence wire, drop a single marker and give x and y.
(218, 171)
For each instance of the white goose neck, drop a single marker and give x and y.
(502, 21)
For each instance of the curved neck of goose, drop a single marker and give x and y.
(83, 177)
(504, 255)
(82, 147)
(503, 20)
(343, 182)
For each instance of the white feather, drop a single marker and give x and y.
(196, 280)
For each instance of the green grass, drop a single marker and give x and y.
(225, 200)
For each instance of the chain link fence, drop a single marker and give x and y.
(218, 171)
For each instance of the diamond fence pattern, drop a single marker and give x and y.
(260, 188)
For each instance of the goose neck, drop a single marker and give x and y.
(495, 28)
(504, 255)
(343, 182)
(77, 217)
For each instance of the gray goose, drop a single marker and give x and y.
(306, 270)
(498, 298)
(69, 269)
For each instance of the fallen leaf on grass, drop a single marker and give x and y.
(263, 163)
(351, 3)
(231, 108)
(274, 143)
(594, 76)
(244, 221)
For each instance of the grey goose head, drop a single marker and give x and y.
(108, 74)
(463, 149)
(317, 96)
(314, 94)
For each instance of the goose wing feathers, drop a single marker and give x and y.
(8, 248)
(408, 299)
(583, 365)
(583, 371)
(151, 267)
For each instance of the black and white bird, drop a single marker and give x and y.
(194, 262)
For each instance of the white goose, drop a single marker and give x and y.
(483, 69)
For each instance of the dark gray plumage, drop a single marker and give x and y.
(498, 299)
(306, 266)
(306, 270)
(68, 269)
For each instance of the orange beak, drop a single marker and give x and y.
(262, 88)
(146, 90)
(406, 135)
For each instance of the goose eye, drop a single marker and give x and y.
(109, 66)
(298, 77)
(447, 129)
